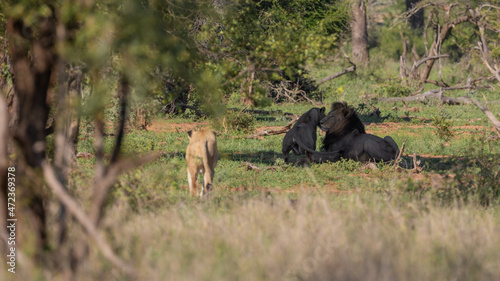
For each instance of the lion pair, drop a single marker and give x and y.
(345, 138)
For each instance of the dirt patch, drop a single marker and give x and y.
(163, 126)
(268, 128)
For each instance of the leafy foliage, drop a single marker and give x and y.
(443, 125)
(480, 179)
(250, 42)
(394, 87)
(239, 121)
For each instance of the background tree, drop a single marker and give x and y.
(359, 33)
(250, 43)
(52, 45)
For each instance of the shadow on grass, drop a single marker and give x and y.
(258, 157)
(447, 164)
(367, 119)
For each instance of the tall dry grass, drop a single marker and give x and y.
(354, 237)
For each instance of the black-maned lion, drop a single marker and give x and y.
(201, 157)
(346, 138)
(305, 131)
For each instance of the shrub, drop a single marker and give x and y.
(236, 121)
(480, 178)
(443, 125)
(394, 87)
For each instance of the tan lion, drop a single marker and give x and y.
(201, 157)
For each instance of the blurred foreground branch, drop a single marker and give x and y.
(77, 212)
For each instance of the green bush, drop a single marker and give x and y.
(394, 87)
(480, 178)
(238, 121)
(443, 125)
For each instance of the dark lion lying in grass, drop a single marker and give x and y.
(346, 138)
(304, 130)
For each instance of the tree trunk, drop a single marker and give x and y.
(359, 33)
(417, 19)
(33, 59)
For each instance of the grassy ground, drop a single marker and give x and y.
(338, 221)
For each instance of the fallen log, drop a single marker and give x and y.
(432, 94)
(262, 112)
(283, 130)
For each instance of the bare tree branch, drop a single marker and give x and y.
(488, 114)
(123, 93)
(77, 212)
(338, 74)
(396, 162)
(483, 48)
(418, 63)
(351, 68)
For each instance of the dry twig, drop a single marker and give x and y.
(396, 162)
(275, 132)
(416, 164)
(488, 113)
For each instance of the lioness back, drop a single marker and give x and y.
(201, 157)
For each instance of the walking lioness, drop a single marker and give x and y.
(201, 157)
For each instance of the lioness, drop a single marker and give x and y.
(201, 157)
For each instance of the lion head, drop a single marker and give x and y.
(341, 119)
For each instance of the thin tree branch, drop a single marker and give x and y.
(83, 219)
(396, 162)
(420, 62)
(123, 93)
(488, 114)
(338, 74)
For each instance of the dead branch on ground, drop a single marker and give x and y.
(251, 167)
(416, 165)
(262, 112)
(283, 130)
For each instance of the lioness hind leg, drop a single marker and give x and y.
(192, 177)
(207, 182)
